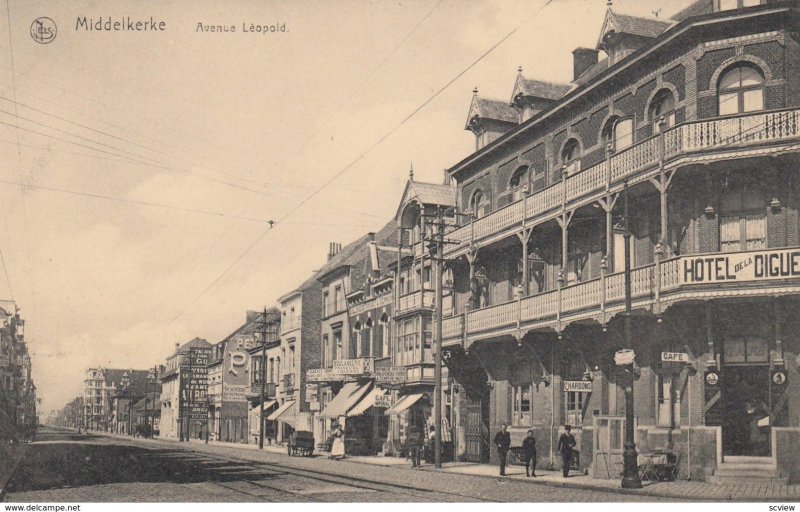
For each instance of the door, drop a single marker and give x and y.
(477, 431)
(745, 411)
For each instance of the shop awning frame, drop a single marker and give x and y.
(277, 413)
(348, 397)
(403, 404)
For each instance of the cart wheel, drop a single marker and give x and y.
(310, 452)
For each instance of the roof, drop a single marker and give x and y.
(696, 9)
(425, 193)
(305, 285)
(539, 88)
(593, 71)
(354, 252)
(488, 108)
(633, 25)
(115, 375)
(195, 343)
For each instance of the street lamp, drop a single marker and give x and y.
(630, 478)
(148, 414)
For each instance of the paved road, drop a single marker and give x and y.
(62, 466)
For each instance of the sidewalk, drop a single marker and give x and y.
(681, 489)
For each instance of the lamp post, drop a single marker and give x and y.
(149, 412)
(630, 478)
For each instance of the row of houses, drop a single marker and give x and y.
(18, 401)
(678, 143)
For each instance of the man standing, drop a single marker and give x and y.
(502, 440)
(529, 452)
(565, 444)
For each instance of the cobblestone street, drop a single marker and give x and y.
(65, 467)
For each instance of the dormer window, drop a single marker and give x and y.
(663, 105)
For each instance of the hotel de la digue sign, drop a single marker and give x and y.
(741, 266)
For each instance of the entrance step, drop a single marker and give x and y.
(748, 470)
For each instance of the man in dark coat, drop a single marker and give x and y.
(529, 452)
(502, 440)
(565, 444)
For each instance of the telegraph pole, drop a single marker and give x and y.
(630, 478)
(262, 376)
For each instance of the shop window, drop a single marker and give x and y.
(663, 105)
(521, 406)
(517, 184)
(666, 386)
(750, 349)
(741, 89)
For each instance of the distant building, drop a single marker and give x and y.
(182, 413)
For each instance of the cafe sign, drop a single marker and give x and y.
(390, 375)
(358, 366)
(674, 357)
(582, 386)
(383, 401)
(743, 267)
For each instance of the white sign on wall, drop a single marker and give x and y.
(675, 357)
(358, 366)
(582, 386)
(390, 375)
(768, 264)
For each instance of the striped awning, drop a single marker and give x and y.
(403, 404)
(366, 402)
(284, 413)
(349, 396)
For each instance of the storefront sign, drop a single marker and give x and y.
(674, 357)
(779, 377)
(311, 392)
(322, 375)
(233, 393)
(372, 304)
(623, 357)
(383, 401)
(313, 406)
(390, 375)
(583, 386)
(742, 266)
(712, 378)
(358, 366)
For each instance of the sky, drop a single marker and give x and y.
(139, 170)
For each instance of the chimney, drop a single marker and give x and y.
(446, 180)
(333, 249)
(583, 59)
(177, 346)
(251, 316)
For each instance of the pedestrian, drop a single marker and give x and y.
(502, 440)
(565, 444)
(337, 448)
(431, 444)
(414, 444)
(529, 452)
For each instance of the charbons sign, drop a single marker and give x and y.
(742, 266)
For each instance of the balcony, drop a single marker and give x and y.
(679, 145)
(415, 300)
(255, 390)
(694, 277)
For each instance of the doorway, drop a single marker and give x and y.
(745, 411)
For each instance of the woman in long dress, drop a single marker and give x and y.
(337, 449)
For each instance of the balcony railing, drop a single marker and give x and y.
(415, 300)
(696, 136)
(651, 288)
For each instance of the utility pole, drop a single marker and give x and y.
(630, 478)
(180, 403)
(262, 376)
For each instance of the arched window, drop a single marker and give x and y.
(618, 132)
(571, 151)
(518, 182)
(478, 204)
(740, 89)
(663, 105)
(384, 323)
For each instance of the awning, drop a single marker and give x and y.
(268, 404)
(280, 411)
(403, 404)
(367, 402)
(350, 394)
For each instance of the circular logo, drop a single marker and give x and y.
(712, 378)
(43, 30)
(779, 378)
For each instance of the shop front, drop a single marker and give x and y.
(285, 420)
(270, 427)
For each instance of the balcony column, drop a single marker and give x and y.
(661, 183)
(525, 236)
(607, 204)
(563, 220)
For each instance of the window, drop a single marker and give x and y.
(355, 346)
(725, 5)
(742, 232)
(325, 305)
(663, 105)
(384, 335)
(618, 132)
(521, 406)
(574, 404)
(570, 156)
(366, 342)
(741, 89)
(338, 304)
(518, 182)
(337, 345)
(478, 204)
(326, 351)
